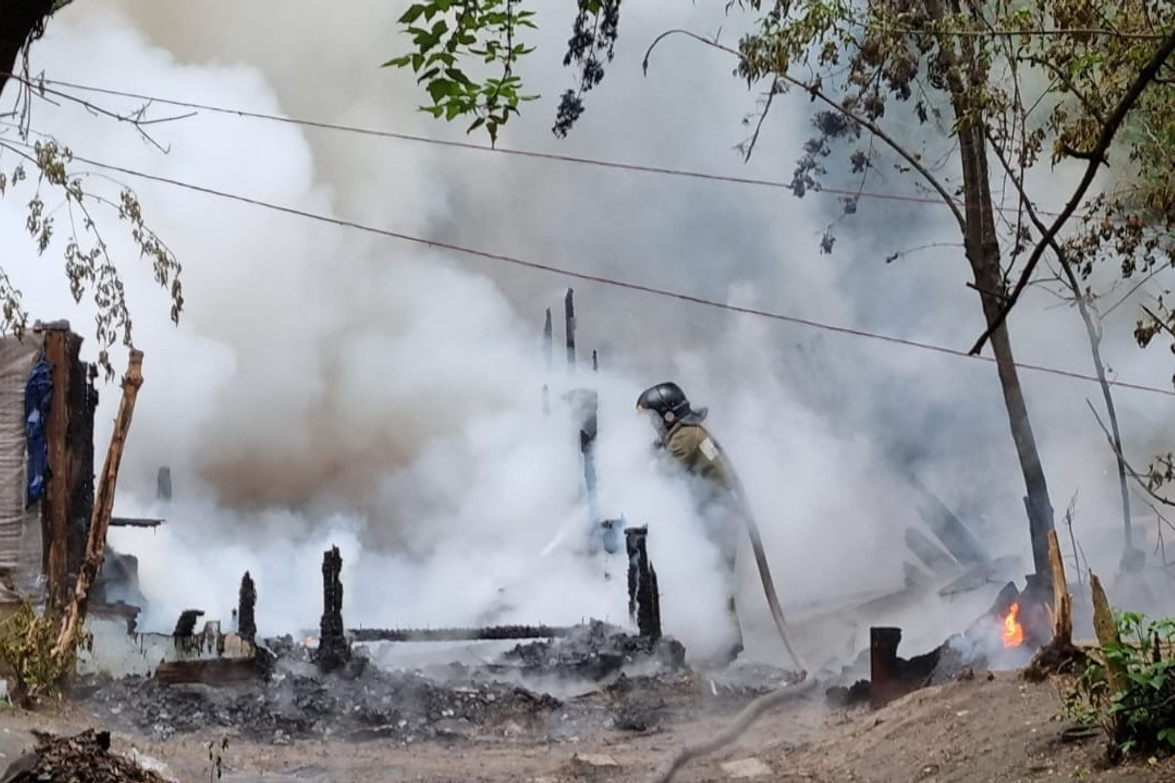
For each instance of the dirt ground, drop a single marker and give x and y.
(973, 731)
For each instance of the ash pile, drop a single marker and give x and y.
(83, 757)
(555, 682)
(293, 698)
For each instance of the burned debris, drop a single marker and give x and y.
(333, 649)
(83, 757)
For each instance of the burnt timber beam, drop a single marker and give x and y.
(136, 522)
(216, 671)
(485, 634)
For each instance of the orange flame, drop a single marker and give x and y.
(1013, 633)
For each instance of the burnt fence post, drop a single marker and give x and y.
(333, 650)
(644, 601)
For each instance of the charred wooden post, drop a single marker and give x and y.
(55, 506)
(163, 484)
(83, 401)
(548, 340)
(69, 435)
(333, 650)
(595, 362)
(247, 608)
(569, 326)
(891, 677)
(644, 600)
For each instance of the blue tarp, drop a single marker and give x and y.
(37, 390)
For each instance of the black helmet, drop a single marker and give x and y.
(669, 402)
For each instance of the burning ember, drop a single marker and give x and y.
(1013, 633)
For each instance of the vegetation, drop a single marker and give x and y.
(27, 640)
(44, 176)
(1130, 689)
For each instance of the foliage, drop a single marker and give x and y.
(487, 31)
(1138, 715)
(88, 263)
(446, 33)
(26, 643)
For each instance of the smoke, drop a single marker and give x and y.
(330, 387)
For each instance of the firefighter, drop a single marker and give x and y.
(680, 433)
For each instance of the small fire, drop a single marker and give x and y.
(1013, 633)
(310, 641)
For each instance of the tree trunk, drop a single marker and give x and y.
(983, 253)
(20, 22)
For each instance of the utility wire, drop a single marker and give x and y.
(602, 280)
(35, 84)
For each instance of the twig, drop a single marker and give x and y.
(1095, 157)
(1133, 473)
(739, 725)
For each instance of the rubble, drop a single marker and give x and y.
(82, 757)
(595, 651)
(608, 680)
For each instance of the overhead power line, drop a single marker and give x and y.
(603, 280)
(466, 145)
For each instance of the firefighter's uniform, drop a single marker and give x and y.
(695, 450)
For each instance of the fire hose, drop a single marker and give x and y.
(765, 574)
(756, 708)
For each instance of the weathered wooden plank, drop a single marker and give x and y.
(214, 671)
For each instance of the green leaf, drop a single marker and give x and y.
(412, 14)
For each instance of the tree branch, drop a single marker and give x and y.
(817, 94)
(1134, 474)
(1096, 156)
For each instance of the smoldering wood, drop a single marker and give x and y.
(246, 609)
(890, 676)
(569, 325)
(644, 599)
(484, 634)
(136, 522)
(163, 483)
(333, 650)
(185, 626)
(1060, 654)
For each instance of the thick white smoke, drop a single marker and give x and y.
(329, 387)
